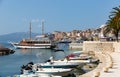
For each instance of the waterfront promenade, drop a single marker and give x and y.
(115, 70)
(109, 65)
(98, 68)
(105, 69)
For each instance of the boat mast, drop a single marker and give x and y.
(43, 27)
(30, 30)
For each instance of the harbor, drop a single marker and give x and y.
(81, 59)
(108, 66)
(61, 38)
(24, 56)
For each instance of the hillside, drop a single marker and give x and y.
(15, 37)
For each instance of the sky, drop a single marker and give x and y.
(58, 15)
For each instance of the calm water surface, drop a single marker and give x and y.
(10, 64)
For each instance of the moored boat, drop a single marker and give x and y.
(31, 69)
(34, 75)
(62, 63)
(41, 41)
(5, 51)
(54, 71)
(31, 43)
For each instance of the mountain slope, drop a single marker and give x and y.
(15, 37)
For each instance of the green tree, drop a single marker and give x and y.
(114, 22)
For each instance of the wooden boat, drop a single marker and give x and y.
(5, 51)
(31, 43)
(41, 41)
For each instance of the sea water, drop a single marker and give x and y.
(11, 64)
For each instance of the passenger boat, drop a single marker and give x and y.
(41, 41)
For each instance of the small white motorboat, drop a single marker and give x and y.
(45, 72)
(34, 75)
(78, 57)
(62, 63)
(54, 71)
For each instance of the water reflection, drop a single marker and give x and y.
(59, 55)
(11, 63)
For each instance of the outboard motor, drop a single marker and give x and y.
(27, 67)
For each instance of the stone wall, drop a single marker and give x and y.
(99, 46)
(116, 46)
(76, 46)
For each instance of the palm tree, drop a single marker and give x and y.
(114, 22)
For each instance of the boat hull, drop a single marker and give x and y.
(42, 46)
(61, 64)
(28, 47)
(54, 71)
